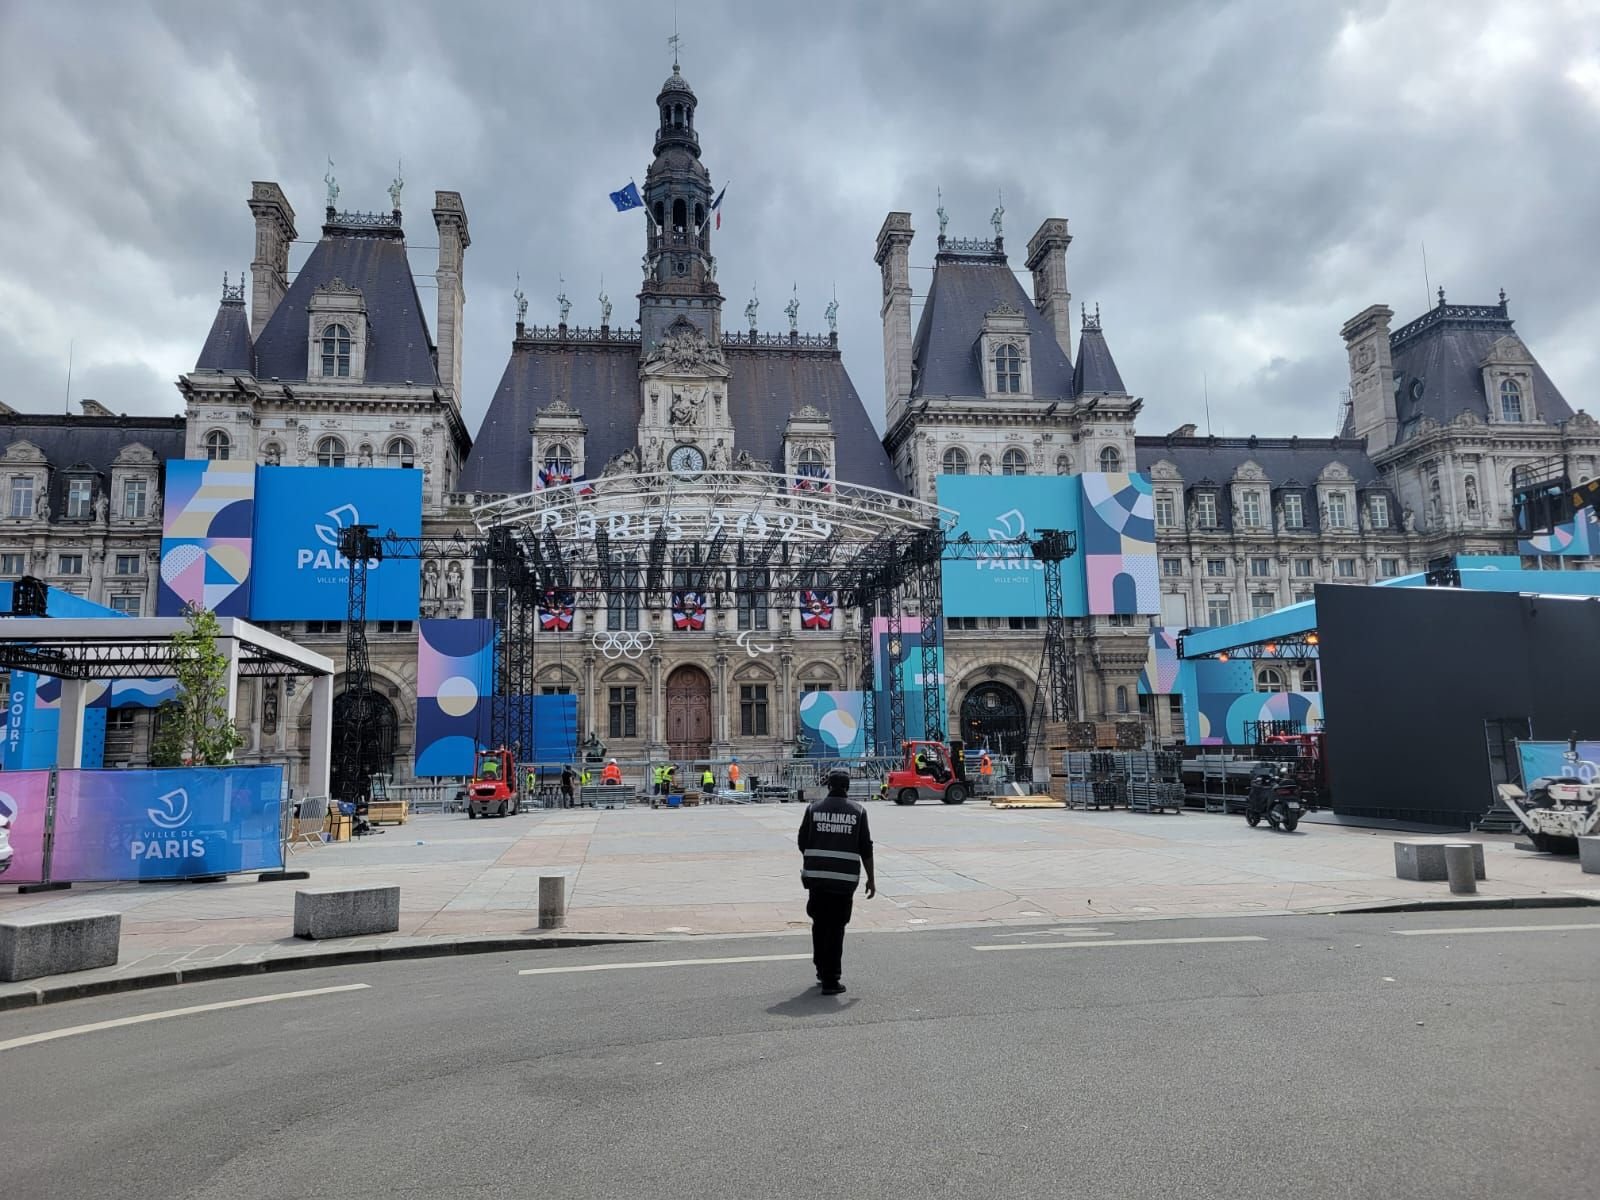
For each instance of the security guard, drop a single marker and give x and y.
(837, 846)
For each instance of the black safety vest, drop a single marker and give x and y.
(835, 841)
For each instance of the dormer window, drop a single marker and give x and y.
(1294, 510)
(1510, 400)
(218, 446)
(1251, 509)
(955, 461)
(21, 496)
(330, 452)
(1007, 368)
(80, 499)
(1205, 510)
(401, 453)
(1014, 462)
(1378, 511)
(1338, 511)
(1166, 511)
(336, 352)
(558, 461)
(1111, 460)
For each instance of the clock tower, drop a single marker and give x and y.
(685, 424)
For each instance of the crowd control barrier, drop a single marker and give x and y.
(111, 826)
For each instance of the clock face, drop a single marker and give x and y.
(687, 461)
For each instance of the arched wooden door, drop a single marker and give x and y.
(689, 714)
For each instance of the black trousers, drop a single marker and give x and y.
(829, 913)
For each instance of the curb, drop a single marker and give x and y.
(1398, 906)
(54, 993)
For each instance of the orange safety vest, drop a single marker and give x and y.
(733, 773)
(985, 767)
(612, 774)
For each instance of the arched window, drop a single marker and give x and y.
(1122, 699)
(699, 217)
(680, 216)
(1510, 400)
(1111, 460)
(811, 457)
(218, 446)
(1007, 368)
(955, 461)
(1270, 679)
(1309, 681)
(985, 465)
(330, 452)
(336, 352)
(558, 459)
(1063, 465)
(1014, 462)
(401, 453)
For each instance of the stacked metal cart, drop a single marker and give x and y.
(1139, 780)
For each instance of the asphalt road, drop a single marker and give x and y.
(1349, 1056)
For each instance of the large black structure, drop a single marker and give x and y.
(1419, 683)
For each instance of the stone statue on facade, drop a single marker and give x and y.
(269, 706)
(274, 454)
(396, 188)
(684, 348)
(102, 506)
(452, 581)
(750, 309)
(1472, 495)
(711, 267)
(831, 315)
(944, 217)
(719, 456)
(658, 455)
(364, 456)
(41, 506)
(155, 506)
(430, 580)
(605, 306)
(522, 302)
(333, 187)
(792, 309)
(685, 407)
(997, 216)
(561, 299)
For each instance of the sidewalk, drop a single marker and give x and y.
(735, 870)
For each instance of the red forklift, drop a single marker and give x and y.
(493, 790)
(928, 770)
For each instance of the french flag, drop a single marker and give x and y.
(716, 205)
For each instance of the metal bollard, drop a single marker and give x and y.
(1460, 869)
(553, 899)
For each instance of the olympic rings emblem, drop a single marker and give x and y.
(623, 645)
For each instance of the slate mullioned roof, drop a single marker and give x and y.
(601, 382)
(1284, 461)
(228, 346)
(944, 356)
(90, 444)
(1096, 372)
(399, 346)
(1438, 367)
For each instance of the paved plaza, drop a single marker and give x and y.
(734, 870)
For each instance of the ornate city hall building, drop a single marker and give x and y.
(339, 367)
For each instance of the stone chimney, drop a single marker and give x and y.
(450, 217)
(894, 260)
(1372, 407)
(269, 273)
(1047, 259)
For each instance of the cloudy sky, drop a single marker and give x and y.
(1240, 177)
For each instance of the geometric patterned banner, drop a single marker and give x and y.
(455, 677)
(206, 537)
(1117, 544)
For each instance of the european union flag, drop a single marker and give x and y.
(628, 197)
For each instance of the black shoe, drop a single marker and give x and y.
(833, 989)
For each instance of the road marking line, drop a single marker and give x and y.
(34, 1039)
(1493, 929)
(667, 962)
(1188, 941)
(1058, 932)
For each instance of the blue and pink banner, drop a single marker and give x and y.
(136, 825)
(455, 676)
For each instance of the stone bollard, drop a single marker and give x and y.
(552, 901)
(1461, 869)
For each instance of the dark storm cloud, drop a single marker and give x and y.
(1240, 177)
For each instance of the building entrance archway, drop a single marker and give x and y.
(993, 717)
(377, 749)
(688, 713)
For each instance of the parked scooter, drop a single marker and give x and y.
(1275, 795)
